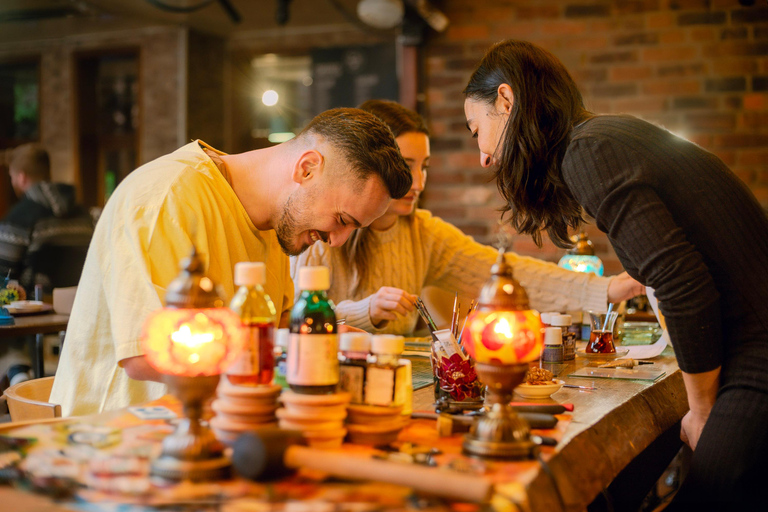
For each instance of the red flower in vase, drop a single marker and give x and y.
(459, 378)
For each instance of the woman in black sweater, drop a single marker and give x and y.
(680, 221)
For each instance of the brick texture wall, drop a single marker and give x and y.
(696, 67)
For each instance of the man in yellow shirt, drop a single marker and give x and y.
(338, 174)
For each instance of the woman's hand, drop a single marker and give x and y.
(389, 302)
(622, 287)
(691, 427)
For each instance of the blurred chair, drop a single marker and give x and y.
(63, 299)
(28, 400)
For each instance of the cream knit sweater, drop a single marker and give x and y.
(421, 250)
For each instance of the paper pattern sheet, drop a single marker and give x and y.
(649, 351)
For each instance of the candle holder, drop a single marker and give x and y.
(191, 342)
(503, 336)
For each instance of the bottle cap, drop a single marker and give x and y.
(561, 320)
(355, 342)
(387, 344)
(314, 278)
(282, 336)
(553, 336)
(546, 318)
(249, 273)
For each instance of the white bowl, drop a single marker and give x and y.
(27, 305)
(538, 391)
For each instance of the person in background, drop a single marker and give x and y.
(681, 223)
(377, 275)
(46, 213)
(338, 174)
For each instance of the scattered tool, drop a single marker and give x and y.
(623, 363)
(272, 453)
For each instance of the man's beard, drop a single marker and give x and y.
(287, 229)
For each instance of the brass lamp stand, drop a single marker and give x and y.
(500, 432)
(191, 452)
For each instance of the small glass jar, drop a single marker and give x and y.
(354, 348)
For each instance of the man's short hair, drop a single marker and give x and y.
(367, 144)
(31, 159)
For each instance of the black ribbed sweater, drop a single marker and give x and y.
(682, 223)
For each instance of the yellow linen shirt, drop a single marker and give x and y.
(147, 228)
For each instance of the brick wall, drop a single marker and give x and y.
(697, 67)
(160, 48)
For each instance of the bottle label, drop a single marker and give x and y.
(569, 346)
(313, 360)
(385, 386)
(248, 363)
(352, 380)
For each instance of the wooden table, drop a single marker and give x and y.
(609, 428)
(37, 326)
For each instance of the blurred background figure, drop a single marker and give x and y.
(45, 236)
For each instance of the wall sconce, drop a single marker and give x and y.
(503, 336)
(191, 342)
(582, 257)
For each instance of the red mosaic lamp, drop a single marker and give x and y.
(502, 336)
(191, 342)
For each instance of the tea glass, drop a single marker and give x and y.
(601, 338)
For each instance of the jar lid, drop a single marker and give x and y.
(314, 278)
(249, 273)
(281, 337)
(355, 342)
(561, 320)
(387, 344)
(546, 317)
(553, 336)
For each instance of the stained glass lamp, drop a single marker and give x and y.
(582, 257)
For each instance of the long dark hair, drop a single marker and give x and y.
(546, 106)
(356, 251)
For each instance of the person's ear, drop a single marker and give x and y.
(308, 166)
(505, 99)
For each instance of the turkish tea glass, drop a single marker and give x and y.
(601, 338)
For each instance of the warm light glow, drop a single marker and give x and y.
(502, 327)
(503, 337)
(582, 263)
(269, 98)
(192, 342)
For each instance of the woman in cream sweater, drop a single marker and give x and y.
(378, 273)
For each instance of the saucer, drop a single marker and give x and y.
(620, 352)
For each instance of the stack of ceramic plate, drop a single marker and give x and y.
(374, 425)
(320, 418)
(241, 409)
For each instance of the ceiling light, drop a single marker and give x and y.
(381, 13)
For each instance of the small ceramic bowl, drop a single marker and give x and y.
(538, 391)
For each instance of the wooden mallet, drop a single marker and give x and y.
(273, 453)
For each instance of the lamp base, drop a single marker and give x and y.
(170, 468)
(191, 452)
(500, 432)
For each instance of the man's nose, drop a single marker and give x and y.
(337, 237)
(485, 159)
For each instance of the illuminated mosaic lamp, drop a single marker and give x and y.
(191, 342)
(582, 257)
(503, 336)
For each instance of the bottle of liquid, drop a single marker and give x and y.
(569, 338)
(281, 356)
(386, 377)
(256, 364)
(354, 347)
(313, 363)
(553, 345)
